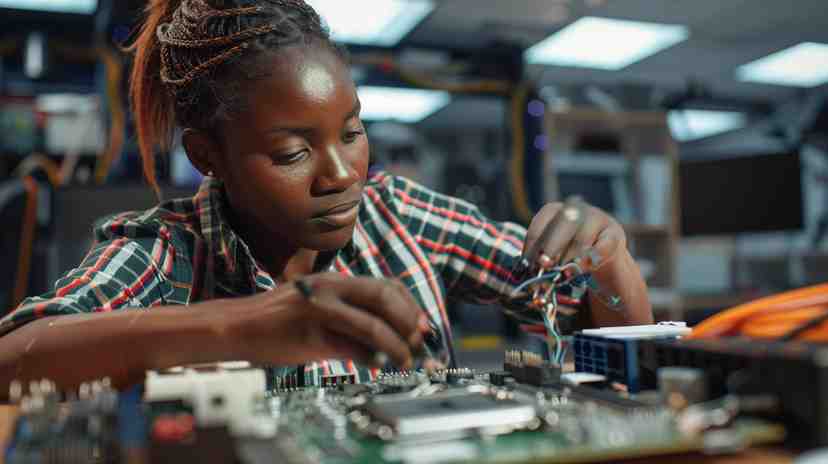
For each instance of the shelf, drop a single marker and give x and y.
(646, 229)
(635, 168)
(627, 118)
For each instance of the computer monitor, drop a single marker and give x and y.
(52, 6)
(756, 193)
(602, 180)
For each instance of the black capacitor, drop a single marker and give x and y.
(498, 378)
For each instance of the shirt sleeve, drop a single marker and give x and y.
(127, 267)
(475, 255)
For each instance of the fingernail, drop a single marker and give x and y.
(422, 324)
(380, 359)
(594, 257)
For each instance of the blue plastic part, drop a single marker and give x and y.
(132, 422)
(615, 358)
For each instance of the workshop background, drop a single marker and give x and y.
(702, 126)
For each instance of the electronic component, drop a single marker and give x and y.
(613, 351)
(335, 380)
(530, 368)
(409, 416)
(398, 382)
(87, 432)
(217, 396)
(456, 376)
(682, 386)
(499, 378)
(455, 413)
(754, 367)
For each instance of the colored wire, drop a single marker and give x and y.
(114, 75)
(35, 161)
(812, 324)
(551, 276)
(520, 197)
(790, 315)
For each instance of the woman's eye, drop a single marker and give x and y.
(351, 136)
(290, 158)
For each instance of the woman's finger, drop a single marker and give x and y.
(381, 298)
(362, 328)
(609, 241)
(560, 232)
(596, 221)
(536, 231)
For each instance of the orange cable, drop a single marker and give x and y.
(768, 317)
(24, 257)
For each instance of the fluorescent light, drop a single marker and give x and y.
(57, 6)
(687, 125)
(602, 43)
(404, 105)
(372, 22)
(803, 65)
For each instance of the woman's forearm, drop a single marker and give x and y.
(121, 345)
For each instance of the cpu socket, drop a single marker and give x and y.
(450, 414)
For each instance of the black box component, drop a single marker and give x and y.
(795, 372)
(336, 380)
(498, 378)
(545, 374)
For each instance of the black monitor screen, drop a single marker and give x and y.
(743, 194)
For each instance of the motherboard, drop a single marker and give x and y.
(526, 412)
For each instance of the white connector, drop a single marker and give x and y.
(218, 396)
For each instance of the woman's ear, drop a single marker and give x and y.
(202, 151)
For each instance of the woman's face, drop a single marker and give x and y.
(294, 162)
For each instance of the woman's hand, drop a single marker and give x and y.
(563, 232)
(574, 230)
(341, 317)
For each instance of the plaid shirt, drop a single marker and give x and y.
(184, 251)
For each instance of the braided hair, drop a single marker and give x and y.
(192, 57)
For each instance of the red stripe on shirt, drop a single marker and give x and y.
(117, 245)
(374, 251)
(130, 291)
(455, 216)
(421, 261)
(486, 264)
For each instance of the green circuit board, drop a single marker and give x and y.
(332, 426)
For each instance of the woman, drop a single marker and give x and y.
(289, 253)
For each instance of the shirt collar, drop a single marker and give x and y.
(235, 271)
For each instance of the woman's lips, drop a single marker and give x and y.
(340, 216)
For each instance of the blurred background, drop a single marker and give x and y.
(702, 126)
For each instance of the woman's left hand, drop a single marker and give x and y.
(563, 232)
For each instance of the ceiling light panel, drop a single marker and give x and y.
(372, 22)
(803, 65)
(400, 104)
(604, 43)
(687, 125)
(56, 6)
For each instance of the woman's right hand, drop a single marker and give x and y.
(343, 318)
